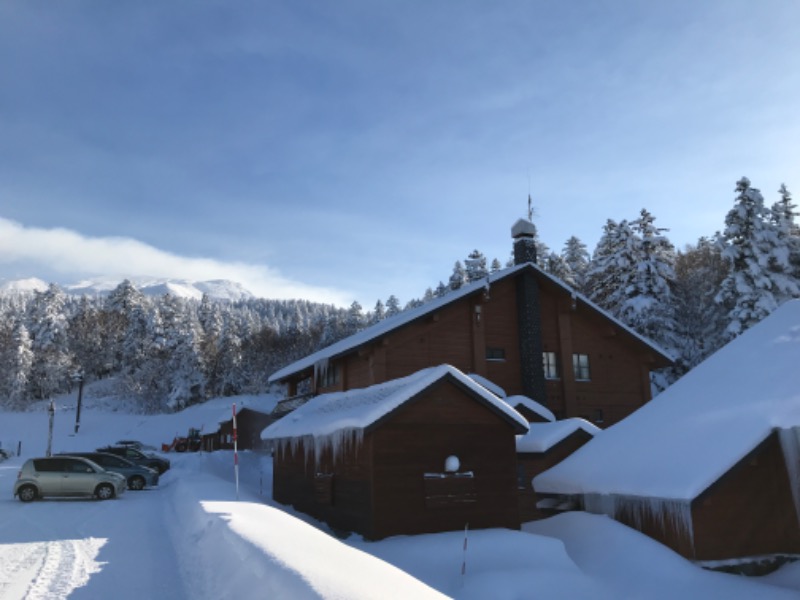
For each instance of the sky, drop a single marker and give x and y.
(354, 150)
(200, 535)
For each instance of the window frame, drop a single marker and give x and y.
(581, 367)
(551, 371)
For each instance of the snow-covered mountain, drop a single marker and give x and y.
(218, 289)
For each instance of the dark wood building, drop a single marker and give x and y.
(520, 328)
(710, 467)
(544, 446)
(249, 425)
(430, 452)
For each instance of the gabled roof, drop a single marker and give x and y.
(359, 409)
(543, 436)
(388, 325)
(687, 437)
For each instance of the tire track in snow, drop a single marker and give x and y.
(47, 570)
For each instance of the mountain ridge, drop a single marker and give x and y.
(218, 289)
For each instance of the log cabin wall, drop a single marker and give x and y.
(336, 492)
(379, 488)
(749, 511)
(480, 334)
(417, 440)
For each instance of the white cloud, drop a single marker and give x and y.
(71, 254)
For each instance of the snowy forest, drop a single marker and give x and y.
(169, 352)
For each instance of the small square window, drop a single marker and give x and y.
(495, 354)
(580, 366)
(550, 363)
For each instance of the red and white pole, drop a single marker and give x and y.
(235, 453)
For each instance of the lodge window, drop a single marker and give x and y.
(550, 362)
(495, 353)
(580, 366)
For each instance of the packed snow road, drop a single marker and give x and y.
(86, 548)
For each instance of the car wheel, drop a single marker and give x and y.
(136, 483)
(104, 491)
(27, 493)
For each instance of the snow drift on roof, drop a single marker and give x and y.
(357, 409)
(533, 406)
(543, 436)
(682, 441)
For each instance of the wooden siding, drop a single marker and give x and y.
(748, 512)
(459, 335)
(378, 489)
(249, 425)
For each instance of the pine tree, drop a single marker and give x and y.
(648, 306)
(699, 271)
(47, 325)
(783, 214)
(577, 258)
(378, 313)
(612, 262)
(475, 266)
(753, 288)
(392, 306)
(459, 277)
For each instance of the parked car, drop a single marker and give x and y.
(141, 446)
(149, 459)
(66, 476)
(137, 476)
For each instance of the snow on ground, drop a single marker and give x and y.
(191, 537)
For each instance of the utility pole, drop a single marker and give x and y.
(78, 376)
(51, 411)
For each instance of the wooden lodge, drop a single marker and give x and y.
(520, 328)
(430, 452)
(710, 467)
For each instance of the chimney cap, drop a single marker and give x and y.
(523, 229)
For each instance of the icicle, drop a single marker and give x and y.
(667, 514)
(321, 370)
(790, 443)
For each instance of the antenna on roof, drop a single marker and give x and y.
(530, 208)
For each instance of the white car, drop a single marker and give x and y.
(66, 476)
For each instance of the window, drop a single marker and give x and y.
(495, 353)
(580, 366)
(550, 361)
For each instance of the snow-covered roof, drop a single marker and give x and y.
(326, 414)
(489, 385)
(390, 324)
(683, 440)
(264, 403)
(531, 405)
(543, 436)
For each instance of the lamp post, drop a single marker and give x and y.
(51, 411)
(78, 376)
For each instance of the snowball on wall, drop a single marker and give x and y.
(452, 464)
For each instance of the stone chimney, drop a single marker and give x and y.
(529, 314)
(524, 234)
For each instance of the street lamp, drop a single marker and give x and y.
(78, 376)
(51, 411)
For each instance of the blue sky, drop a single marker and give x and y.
(351, 150)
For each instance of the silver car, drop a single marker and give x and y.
(66, 476)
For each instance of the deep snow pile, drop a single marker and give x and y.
(192, 538)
